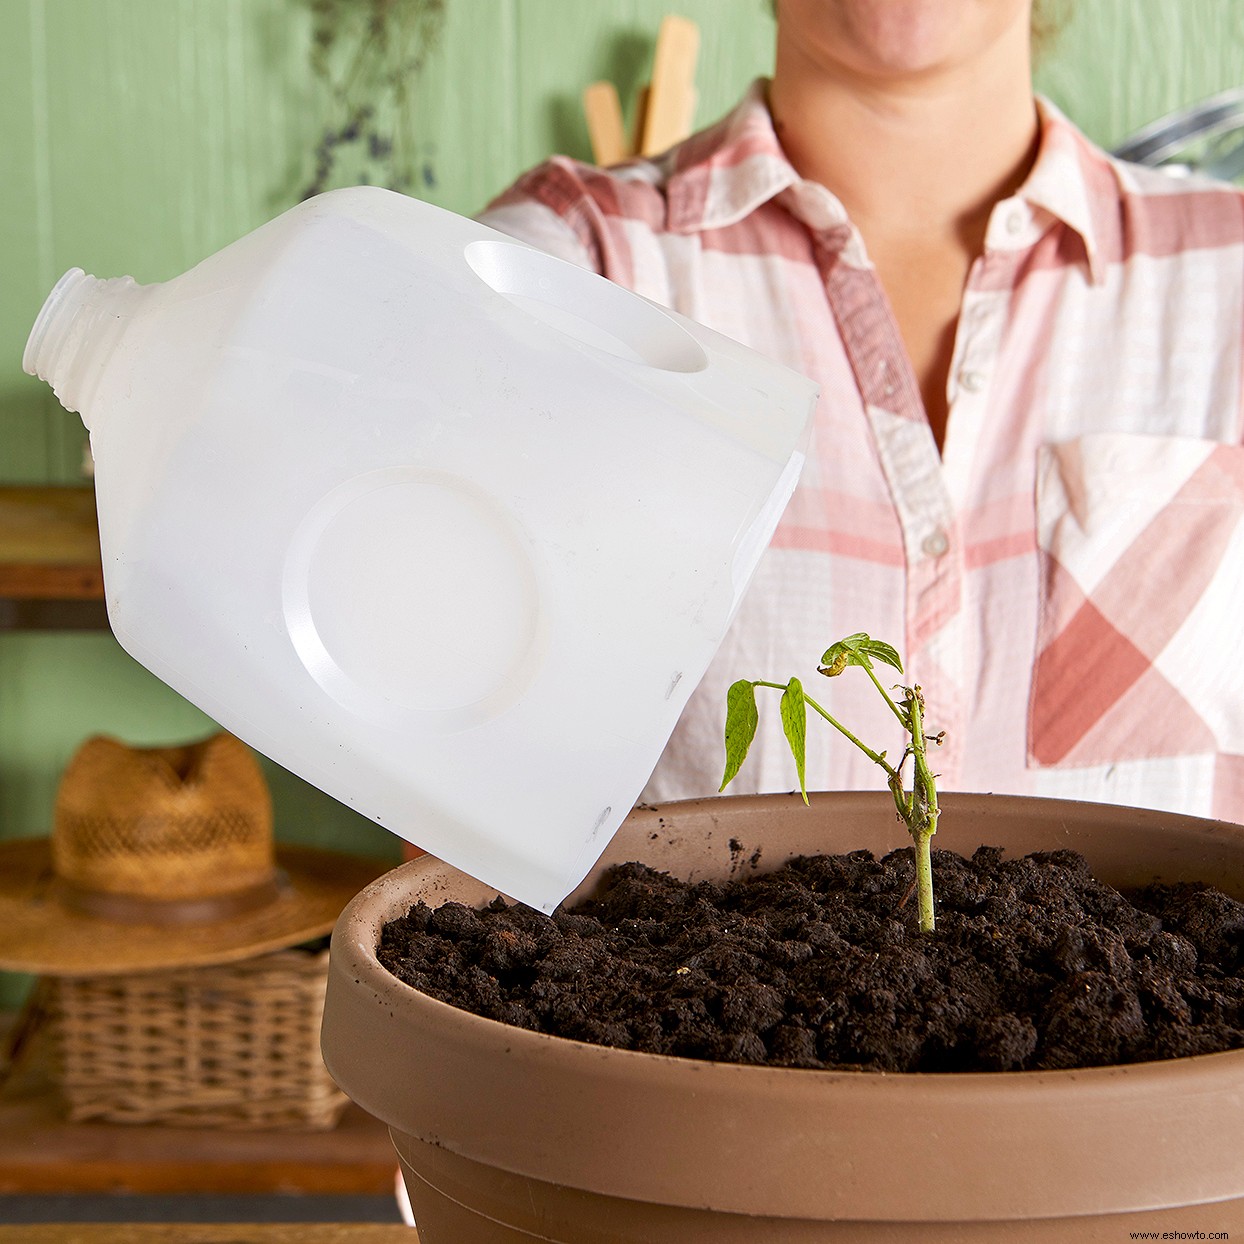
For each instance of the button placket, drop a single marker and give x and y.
(917, 483)
(936, 544)
(968, 365)
(906, 449)
(978, 341)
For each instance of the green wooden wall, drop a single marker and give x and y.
(139, 136)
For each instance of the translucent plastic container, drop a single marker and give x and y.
(446, 526)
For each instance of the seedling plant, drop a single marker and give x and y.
(916, 805)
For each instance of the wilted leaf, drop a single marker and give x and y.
(741, 719)
(831, 668)
(795, 724)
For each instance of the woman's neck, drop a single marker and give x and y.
(918, 132)
(930, 153)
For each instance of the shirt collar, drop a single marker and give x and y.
(727, 171)
(1066, 182)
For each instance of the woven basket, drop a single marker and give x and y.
(231, 1046)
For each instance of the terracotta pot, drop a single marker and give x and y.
(508, 1135)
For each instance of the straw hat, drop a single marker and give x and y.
(163, 857)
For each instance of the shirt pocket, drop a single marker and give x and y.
(1140, 631)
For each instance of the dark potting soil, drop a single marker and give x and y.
(1034, 965)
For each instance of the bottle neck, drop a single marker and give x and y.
(74, 336)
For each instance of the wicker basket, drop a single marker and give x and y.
(231, 1046)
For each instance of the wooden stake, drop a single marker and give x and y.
(670, 111)
(604, 124)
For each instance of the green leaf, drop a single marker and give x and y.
(741, 719)
(795, 724)
(883, 652)
(858, 649)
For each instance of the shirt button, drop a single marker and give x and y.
(972, 381)
(935, 544)
(1014, 221)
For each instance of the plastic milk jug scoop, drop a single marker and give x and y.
(447, 527)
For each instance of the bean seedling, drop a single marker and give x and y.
(917, 806)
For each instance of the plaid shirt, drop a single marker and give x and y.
(1064, 579)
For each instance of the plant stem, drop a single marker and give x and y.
(923, 824)
(885, 695)
(924, 881)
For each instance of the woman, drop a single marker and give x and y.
(1028, 473)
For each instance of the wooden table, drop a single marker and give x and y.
(51, 576)
(209, 1233)
(42, 1153)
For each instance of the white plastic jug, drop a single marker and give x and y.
(446, 526)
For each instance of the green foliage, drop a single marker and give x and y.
(741, 720)
(795, 726)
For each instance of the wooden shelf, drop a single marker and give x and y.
(51, 576)
(41, 1152)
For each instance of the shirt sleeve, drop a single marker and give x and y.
(551, 208)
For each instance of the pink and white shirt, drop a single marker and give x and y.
(1066, 579)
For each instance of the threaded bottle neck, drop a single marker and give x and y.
(73, 337)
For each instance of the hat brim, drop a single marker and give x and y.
(39, 934)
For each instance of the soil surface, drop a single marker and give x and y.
(1034, 965)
